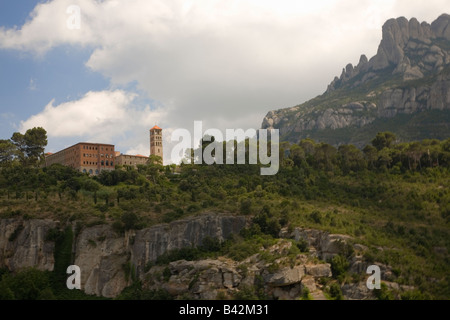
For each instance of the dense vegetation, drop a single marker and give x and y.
(392, 197)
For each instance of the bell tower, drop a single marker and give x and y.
(156, 144)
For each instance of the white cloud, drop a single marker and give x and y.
(224, 62)
(104, 116)
(99, 114)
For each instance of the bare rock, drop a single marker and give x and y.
(309, 283)
(357, 291)
(100, 254)
(441, 27)
(22, 244)
(318, 270)
(286, 276)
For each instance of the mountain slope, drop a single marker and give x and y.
(404, 88)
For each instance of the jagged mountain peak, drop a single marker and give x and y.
(409, 73)
(402, 42)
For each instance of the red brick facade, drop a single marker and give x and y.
(85, 157)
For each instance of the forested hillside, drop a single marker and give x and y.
(391, 197)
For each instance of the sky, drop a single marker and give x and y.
(107, 71)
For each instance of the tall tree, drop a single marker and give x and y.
(7, 151)
(31, 145)
(371, 155)
(383, 140)
(351, 158)
(36, 141)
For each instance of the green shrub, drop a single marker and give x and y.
(166, 274)
(173, 215)
(246, 206)
(339, 266)
(335, 291)
(383, 293)
(303, 245)
(246, 293)
(306, 295)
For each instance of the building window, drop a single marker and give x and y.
(103, 163)
(112, 164)
(107, 162)
(84, 171)
(91, 172)
(96, 171)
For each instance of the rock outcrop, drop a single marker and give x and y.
(285, 278)
(107, 259)
(22, 244)
(102, 256)
(409, 74)
(324, 244)
(150, 243)
(110, 261)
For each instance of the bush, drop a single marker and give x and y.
(383, 293)
(173, 215)
(335, 292)
(28, 284)
(130, 221)
(246, 206)
(167, 274)
(268, 225)
(210, 244)
(303, 245)
(246, 293)
(316, 216)
(339, 266)
(306, 295)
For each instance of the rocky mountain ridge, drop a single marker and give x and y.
(409, 74)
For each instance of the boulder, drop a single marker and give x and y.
(357, 291)
(285, 276)
(318, 270)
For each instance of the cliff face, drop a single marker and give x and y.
(102, 254)
(22, 244)
(150, 243)
(109, 262)
(410, 73)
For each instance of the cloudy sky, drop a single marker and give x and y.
(131, 64)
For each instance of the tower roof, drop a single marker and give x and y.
(156, 128)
